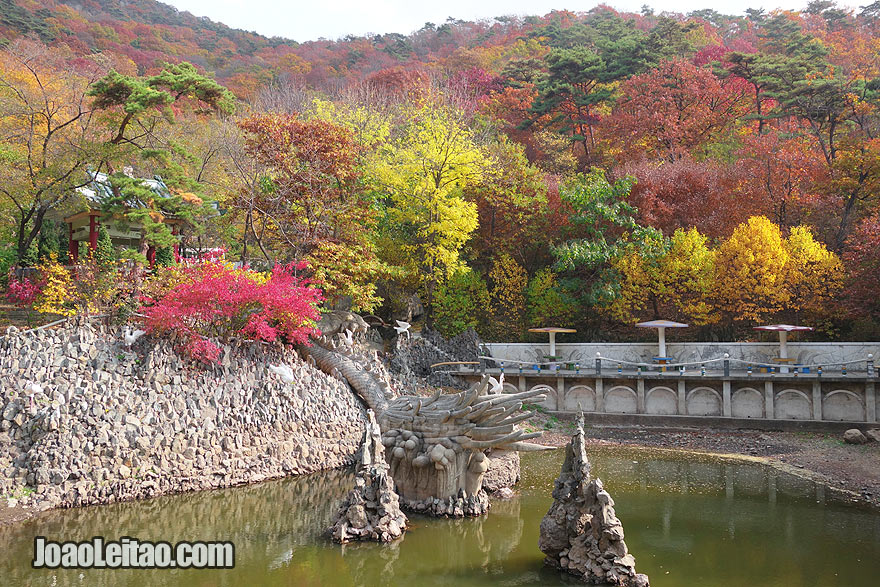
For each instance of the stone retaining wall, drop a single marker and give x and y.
(105, 423)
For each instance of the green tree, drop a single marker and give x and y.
(164, 257)
(548, 302)
(135, 105)
(461, 302)
(575, 85)
(137, 112)
(104, 253)
(606, 225)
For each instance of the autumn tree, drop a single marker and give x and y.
(837, 112)
(310, 198)
(689, 193)
(670, 278)
(48, 133)
(862, 261)
(311, 184)
(813, 275)
(777, 172)
(512, 208)
(429, 159)
(671, 111)
(750, 278)
(507, 289)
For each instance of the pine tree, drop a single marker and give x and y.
(104, 253)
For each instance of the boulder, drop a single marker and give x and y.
(503, 493)
(873, 435)
(503, 470)
(854, 436)
(337, 321)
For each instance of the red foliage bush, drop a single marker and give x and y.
(22, 292)
(215, 301)
(862, 258)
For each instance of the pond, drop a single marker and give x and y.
(689, 520)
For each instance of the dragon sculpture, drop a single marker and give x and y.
(434, 445)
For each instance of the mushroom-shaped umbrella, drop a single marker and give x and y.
(552, 330)
(783, 330)
(661, 326)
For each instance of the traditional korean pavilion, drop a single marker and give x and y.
(83, 226)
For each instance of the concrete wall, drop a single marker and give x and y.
(788, 398)
(806, 353)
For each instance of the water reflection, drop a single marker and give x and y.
(689, 520)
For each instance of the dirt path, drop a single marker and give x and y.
(852, 470)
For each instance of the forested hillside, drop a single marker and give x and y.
(581, 169)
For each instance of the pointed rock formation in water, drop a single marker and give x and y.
(371, 511)
(581, 533)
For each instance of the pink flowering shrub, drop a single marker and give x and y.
(22, 292)
(212, 300)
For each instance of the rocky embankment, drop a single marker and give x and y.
(86, 420)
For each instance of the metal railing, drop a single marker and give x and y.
(726, 362)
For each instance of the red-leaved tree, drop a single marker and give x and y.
(862, 259)
(687, 193)
(673, 110)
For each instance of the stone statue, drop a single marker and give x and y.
(581, 533)
(435, 445)
(371, 511)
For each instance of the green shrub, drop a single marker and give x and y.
(164, 257)
(460, 303)
(104, 253)
(548, 302)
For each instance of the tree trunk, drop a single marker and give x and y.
(244, 249)
(843, 229)
(429, 303)
(25, 237)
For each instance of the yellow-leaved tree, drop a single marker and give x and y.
(750, 272)
(750, 280)
(669, 279)
(688, 270)
(429, 159)
(813, 274)
(58, 291)
(507, 298)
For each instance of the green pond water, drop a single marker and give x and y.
(689, 520)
